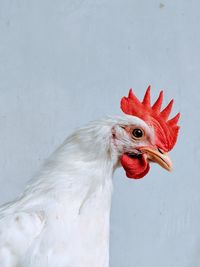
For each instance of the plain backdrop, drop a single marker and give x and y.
(66, 62)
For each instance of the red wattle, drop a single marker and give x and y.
(135, 168)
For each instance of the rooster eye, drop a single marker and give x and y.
(137, 133)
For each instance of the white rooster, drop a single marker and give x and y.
(62, 218)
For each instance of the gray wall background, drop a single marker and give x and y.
(63, 63)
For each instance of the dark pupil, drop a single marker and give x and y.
(137, 133)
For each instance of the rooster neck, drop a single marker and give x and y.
(80, 168)
(74, 184)
(74, 190)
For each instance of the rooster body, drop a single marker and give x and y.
(62, 218)
(64, 212)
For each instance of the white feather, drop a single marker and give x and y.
(62, 219)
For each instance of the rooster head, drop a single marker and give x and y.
(149, 137)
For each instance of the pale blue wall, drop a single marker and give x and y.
(65, 62)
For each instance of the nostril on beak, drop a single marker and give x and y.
(160, 150)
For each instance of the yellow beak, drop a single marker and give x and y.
(158, 156)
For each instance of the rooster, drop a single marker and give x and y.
(62, 218)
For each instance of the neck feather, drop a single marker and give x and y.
(86, 159)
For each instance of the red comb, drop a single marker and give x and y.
(166, 131)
